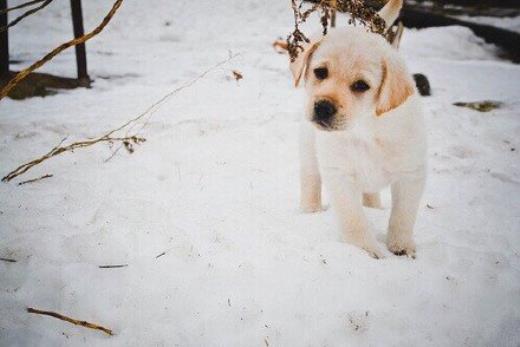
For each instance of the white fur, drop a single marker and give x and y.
(366, 152)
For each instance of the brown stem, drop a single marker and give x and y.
(71, 320)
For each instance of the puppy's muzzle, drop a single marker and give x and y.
(324, 112)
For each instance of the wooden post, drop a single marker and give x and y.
(4, 42)
(81, 55)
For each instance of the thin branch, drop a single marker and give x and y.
(26, 14)
(22, 74)
(169, 94)
(134, 139)
(8, 260)
(112, 266)
(69, 148)
(154, 107)
(25, 4)
(160, 255)
(71, 320)
(35, 179)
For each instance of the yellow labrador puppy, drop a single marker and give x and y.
(363, 131)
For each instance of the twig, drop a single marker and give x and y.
(108, 136)
(25, 4)
(35, 179)
(155, 106)
(160, 255)
(152, 107)
(26, 14)
(69, 148)
(9, 260)
(112, 266)
(71, 320)
(22, 74)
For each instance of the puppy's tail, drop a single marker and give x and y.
(390, 12)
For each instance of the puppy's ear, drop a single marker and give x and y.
(396, 86)
(390, 12)
(299, 65)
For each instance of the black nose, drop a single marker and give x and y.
(324, 111)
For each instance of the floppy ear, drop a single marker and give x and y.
(299, 65)
(396, 86)
(390, 12)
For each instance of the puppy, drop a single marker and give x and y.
(363, 131)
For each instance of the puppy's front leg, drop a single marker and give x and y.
(346, 201)
(310, 180)
(406, 196)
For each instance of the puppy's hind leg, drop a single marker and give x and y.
(310, 180)
(372, 200)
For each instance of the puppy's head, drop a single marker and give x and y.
(350, 75)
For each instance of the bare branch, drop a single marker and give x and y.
(35, 179)
(8, 260)
(112, 266)
(69, 148)
(25, 4)
(71, 320)
(26, 14)
(107, 137)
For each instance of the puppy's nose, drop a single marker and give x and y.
(324, 111)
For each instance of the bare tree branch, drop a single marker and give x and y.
(25, 4)
(127, 141)
(26, 14)
(8, 260)
(35, 179)
(69, 148)
(71, 320)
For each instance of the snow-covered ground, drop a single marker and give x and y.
(215, 189)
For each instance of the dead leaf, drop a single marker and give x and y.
(237, 75)
(481, 106)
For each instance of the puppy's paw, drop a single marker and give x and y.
(368, 246)
(310, 208)
(374, 252)
(400, 247)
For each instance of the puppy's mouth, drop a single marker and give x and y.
(321, 125)
(328, 125)
(325, 115)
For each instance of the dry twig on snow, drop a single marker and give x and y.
(71, 320)
(22, 74)
(118, 266)
(8, 260)
(35, 179)
(127, 141)
(70, 148)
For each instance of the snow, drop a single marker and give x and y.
(215, 188)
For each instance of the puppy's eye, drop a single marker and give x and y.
(359, 86)
(321, 73)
